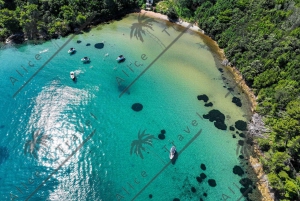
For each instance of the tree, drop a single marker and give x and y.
(293, 109)
(285, 91)
(275, 181)
(171, 13)
(286, 128)
(80, 19)
(294, 147)
(278, 161)
(29, 17)
(67, 13)
(9, 20)
(2, 4)
(292, 191)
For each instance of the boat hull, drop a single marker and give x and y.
(172, 152)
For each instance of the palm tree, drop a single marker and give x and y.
(137, 28)
(32, 146)
(137, 145)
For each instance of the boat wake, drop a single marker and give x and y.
(43, 51)
(77, 72)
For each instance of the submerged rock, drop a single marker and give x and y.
(237, 101)
(99, 45)
(203, 97)
(4, 154)
(210, 104)
(212, 182)
(217, 117)
(137, 107)
(238, 170)
(246, 182)
(241, 125)
(199, 179)
(161, 136)
(202, 166)
(203, 176)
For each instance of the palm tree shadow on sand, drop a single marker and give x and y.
(137, 146)
(137, 28)
(33, 146)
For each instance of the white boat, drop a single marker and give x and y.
(172, 152)
(72, 75)
(120, 58)
(71, 50)
(85, 59)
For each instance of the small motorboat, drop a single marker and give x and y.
(71, 50)
(72, 75)
(120, 58)
(85, 59)
(172, 152)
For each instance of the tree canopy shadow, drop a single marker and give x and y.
(137, 28)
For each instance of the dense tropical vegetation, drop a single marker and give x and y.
(261, 38)
(50, 18)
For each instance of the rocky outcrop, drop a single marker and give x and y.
(15, 38)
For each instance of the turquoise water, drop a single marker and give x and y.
(66, 140)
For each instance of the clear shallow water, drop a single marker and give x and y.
(66, 140)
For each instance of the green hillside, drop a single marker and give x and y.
(50, 18)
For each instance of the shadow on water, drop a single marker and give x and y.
(86, 29)
(78, 33)
(121, 61)
(75, 80)
(4, 154)
(122, 88)
(174, 159)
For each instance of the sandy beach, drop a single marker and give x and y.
(164, 17)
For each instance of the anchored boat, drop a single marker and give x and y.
(72, 75)
(172, 152)
(120, 58)
(85, 59)
(71, 50)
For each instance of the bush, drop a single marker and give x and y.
(264, 144)
(172, 14)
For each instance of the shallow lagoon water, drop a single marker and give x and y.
(82, 140)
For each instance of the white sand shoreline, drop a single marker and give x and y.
(152, 14)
